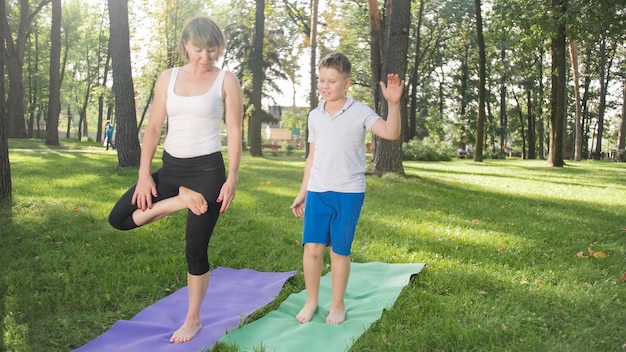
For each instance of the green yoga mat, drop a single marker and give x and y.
(372, 287)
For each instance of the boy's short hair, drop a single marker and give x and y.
(338, 61)
(203, 33)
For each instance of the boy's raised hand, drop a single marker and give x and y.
(392, 91)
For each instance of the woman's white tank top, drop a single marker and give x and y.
(193, 123)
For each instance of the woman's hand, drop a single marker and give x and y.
(227, 194)
(144, 191)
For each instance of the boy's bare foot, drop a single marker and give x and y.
(186, 332)
(193, 200)
(336, 316)
(306, 313)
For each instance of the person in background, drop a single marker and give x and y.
(195, 98)
(333, 186)
(108, 134)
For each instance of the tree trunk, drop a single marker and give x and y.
(387, 155)
(621, 138)
(540, 121)
(126, 137)
(313, 102)
(256, 67)
(598, 153)
(54, 95)
(530, 120)
(480, 123)
(578, 138)
(5, 166)
(557, 96)
(410, 128)
(14, 50)
(503, 118)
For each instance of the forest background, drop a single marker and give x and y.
(505, 84)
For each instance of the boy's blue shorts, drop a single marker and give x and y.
(330, 218)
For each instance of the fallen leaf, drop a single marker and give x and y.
(482, 293)
(623, 277)
(476, 221)
(524, 281)
(539, 282)
(501, 249)
(504, 327)
(546, 255)
(384, 338)
(599, 254)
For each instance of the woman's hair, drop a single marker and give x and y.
(203, 33)
(337, 61)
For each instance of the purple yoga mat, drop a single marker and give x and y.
(232, 296)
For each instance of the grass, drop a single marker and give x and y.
(519, 256)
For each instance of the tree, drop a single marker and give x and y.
(14, 61)
(389, 54)
(256, 66)
(54, 100)
(127, 139)
(578, 138)
(5, 166)
(621, 139)
(480, 125)
(559, 85)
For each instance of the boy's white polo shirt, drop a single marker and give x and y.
(339, 159)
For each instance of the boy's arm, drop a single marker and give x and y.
(298, 204)
(390, 129)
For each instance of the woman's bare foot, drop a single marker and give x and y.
(193, 200)
(306, 313)
(186, 332)
(336, 315)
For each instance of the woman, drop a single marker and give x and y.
(195, 98)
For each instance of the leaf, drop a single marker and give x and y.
(384, 338)
(482, 293)
(599, 254)
(623, 277)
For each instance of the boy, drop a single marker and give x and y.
(333, 186)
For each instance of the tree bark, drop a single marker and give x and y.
(557, 95)
(256, 66)
(621, 138)
(578, 138)
(14, 60)
(54, 95)
(126, 134)
(480, 123)
(387, 155)
(5, 166)
(313, 102)
(597, 155)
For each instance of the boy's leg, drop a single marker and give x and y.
(312, 260)
(343, 228)
(340, 273)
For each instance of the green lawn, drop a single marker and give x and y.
(519, 256)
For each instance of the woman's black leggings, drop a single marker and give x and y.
(204, 174)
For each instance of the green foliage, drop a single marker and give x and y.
(427, 150)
